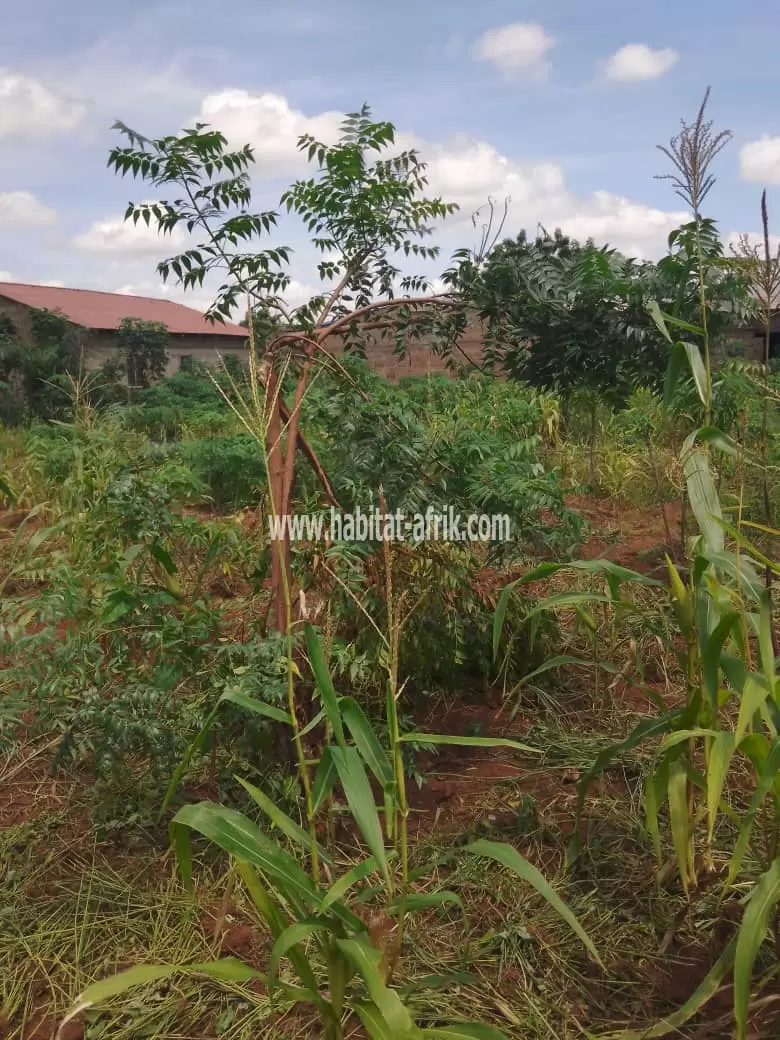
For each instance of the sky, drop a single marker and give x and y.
(556, 105)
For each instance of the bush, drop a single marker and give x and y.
(231, 469)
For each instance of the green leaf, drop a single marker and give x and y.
(281, 820)
(360, 798)
(324, 682)
(511, 858)
(756, 553)
(464, 1031)
(655, 793)
(711, 651)
(194, 749)
(658, 316)
(680, 354)
(116, 985)
(549, 664)
(546, 570)
(752, 932)
(767, 779)
(754, 693)
(765, 646)
(678, 817)
(289, 940)
(340, 887)
(367, 961)
(378, 1029)
(237, 835)
(703, 497)
(227, 969)
(423, 901)
(721, 752)
(367, 742)
(499, 616)
(449, 738)
(237, 696)
(569, 599)
(324, 779)
(646, 729)
(716, 439)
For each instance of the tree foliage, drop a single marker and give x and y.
(143, 347)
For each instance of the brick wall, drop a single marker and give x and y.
(420, 360)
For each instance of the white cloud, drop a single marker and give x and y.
(519, 49)
(633, 227)
(470, 172)
(637, 61)
(116, 235)
(760, 160)
(23, 209)
(28, 108)
(270, 124)
(297, 293)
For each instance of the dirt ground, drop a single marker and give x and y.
(467, 790)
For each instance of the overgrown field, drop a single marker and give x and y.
(398, 789)
(135, 560)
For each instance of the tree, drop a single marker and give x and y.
(35, 379)
(563, 315)
(363, 207)
(143, 347)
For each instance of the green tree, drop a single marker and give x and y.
(36, 377)
(143, 347)
(364, 206)
(564, 315)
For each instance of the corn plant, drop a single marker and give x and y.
(343, 965)
(732, 690)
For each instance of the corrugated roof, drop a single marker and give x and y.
(104, 310)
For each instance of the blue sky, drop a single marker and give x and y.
(558, 104)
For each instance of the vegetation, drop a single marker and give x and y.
(395, 788)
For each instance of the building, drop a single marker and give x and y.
(98, 314)
(750, 342)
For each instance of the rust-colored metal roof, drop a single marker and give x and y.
(104, 310)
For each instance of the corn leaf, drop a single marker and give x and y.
(766, 780)
(237, 835)
(281, 820)
(324, 779)
(752, 932)
(322, 677)
(367, 961)
(423, 901)
(678, 817)
(378, 1029)
(361, 802)
(511, 858)
(706, 989)
(450, 738)
(463, 1031)
(245, 700)
(367, 742)
(703, 497)
(289, 940)
(721, 752)
(340, 887)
